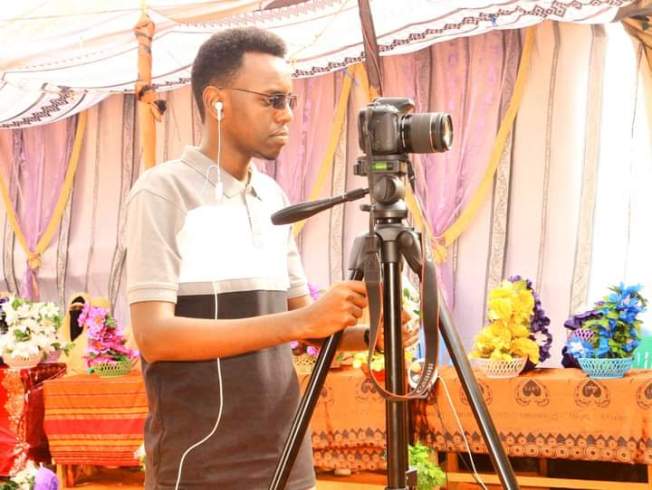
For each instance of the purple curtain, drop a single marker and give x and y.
(296, 168)
(471, 78)
(36, 164)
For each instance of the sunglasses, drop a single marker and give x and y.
(277, 101)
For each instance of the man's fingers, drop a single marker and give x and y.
(357, 286)
(357, 299)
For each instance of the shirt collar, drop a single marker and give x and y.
(232, 186)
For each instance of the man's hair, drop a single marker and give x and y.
(220, 57)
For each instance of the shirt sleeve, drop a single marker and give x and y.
(153, 259)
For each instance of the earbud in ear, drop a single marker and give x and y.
(218, 109)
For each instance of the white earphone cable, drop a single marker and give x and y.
(219, 414)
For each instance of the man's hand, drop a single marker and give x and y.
(410, 333)
(340, 307)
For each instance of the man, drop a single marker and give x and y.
(217, 292)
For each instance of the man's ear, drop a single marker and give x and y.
(210, 96)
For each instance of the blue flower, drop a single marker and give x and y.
(603, 347)
(578, 347)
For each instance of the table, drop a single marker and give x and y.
(99, 421)
(95, 421)
(21, 414)
(348, 426)
(549, 413)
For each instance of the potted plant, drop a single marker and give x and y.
(517, 333)
(604, 338)
(29, 333)
(429, 474)
(107, 353)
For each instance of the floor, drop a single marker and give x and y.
(128, 479)
(131, 479)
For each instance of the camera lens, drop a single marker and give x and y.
(428, 132)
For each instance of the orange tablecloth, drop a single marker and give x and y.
(21, 414)
(552, 413)
(348, 426)
(93, 420)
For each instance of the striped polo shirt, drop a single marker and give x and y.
(187, 247)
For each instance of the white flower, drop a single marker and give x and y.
(10, 313)
(46, 323)
(25, 477)
(42, 341)
(29, 325)
(24, 350)
(50, 310)
(24, 311)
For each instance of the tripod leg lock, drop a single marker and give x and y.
(411, 477)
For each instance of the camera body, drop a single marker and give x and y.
(389, 127)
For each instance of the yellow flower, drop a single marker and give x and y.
(510, 307)
(519, 330)
(500, 308)
(500, 356)
(526, 348)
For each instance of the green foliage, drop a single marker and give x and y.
(429, 475)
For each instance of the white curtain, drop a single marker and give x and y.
(572, 197)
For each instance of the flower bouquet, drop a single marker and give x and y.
(305, 355)
(517, 333)
(31, 477)
(29, 332)
(603, 339)
(107, 353)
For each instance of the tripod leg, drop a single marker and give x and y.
(481, 413)
(396, 411)
(306, 408)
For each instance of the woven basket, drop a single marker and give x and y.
(111, 369)
(494, 368)
(22, 363)
(600, 368)
(303, 364)
(582, 333)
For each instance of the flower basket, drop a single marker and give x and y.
(304, 363)
(582, 333)
(53, 357)
(605, 368)
(22, 363)
(499, 368)
(112, 369)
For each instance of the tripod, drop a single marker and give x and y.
(394, 241)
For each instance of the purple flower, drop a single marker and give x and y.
(106, 341)
(312, 351)
(45, 480)
(538, 325)
(576, 321)
(314, 291)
